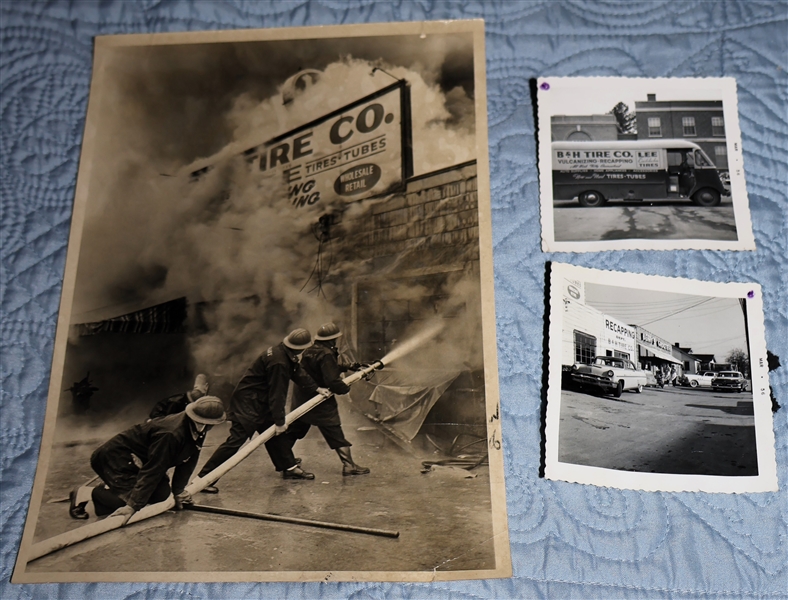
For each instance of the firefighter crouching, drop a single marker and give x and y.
(321, 362)
(133, 465)
(258, 403)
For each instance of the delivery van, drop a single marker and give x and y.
(634, 171)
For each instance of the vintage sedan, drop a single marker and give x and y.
(610, 375)
(698, 380)
(728, 380)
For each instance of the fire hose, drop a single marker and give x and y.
(85, 532)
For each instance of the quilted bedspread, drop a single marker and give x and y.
(567, 540)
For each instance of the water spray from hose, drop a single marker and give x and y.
(410, 345)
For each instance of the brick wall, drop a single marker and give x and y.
(435, 222)
(419, 245)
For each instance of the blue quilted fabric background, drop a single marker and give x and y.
(568, 541)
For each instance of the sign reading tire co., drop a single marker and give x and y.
(360, 150)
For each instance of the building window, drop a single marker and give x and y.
(654, 127)
(585, 348)
(717, 126)
(688, 123)
(720, 151)
(623, 355)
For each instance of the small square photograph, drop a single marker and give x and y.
(657, 383)
(631, 163)
(275, 357)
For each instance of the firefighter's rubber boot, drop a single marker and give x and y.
(78, 499)
(348, 466)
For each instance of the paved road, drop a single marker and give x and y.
(444, 520)
(668, 220)
(670, 430)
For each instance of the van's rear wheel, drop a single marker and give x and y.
(706, 197)
(591, 199)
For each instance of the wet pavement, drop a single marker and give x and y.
(670, 430)
(443, 518)
(667, 220)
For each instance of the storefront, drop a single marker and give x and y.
(588, 332)
(655, 354)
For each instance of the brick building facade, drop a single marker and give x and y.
(421, 244)
(699, 121)
(423, 249)
(583, 128)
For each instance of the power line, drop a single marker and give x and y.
(678, 311)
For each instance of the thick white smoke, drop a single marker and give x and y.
(233, 244)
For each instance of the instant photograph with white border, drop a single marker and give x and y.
(657, 383)
(236, 188)
(636, 163)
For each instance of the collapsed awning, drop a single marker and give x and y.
(403, 399)
(651, 352)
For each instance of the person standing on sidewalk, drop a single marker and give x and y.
(258, 403)
(322, 363)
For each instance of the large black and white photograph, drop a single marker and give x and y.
(275, 356)
(631, 163)
(657, 383)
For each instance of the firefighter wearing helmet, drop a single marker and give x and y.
(323, 365)
(133, 465)
(258, 403)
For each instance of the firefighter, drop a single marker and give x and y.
(323, 365)
(178, 402)
(258, 402)
(133, 465)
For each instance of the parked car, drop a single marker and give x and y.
(698, 380)
(610, 375)
(728, 380)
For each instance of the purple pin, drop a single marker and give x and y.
(545, 86)
(751, 294)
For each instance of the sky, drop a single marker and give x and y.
(598, 96)
(708, 325)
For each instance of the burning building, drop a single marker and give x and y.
(325, 221)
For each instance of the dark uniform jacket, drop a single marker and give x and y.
(159, 444)
(261, 395)
(321, 362)
(169, 406)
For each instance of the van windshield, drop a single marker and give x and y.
(701, 160)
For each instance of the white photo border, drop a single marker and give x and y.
(765, 481)
(724, 87)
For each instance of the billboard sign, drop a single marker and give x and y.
(360, 150)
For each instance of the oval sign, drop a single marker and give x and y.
(357, 180)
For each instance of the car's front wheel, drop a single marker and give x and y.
(619, 389)
(639, 388)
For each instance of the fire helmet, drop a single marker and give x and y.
(208, 410)
(328, 331)
(298, 339)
